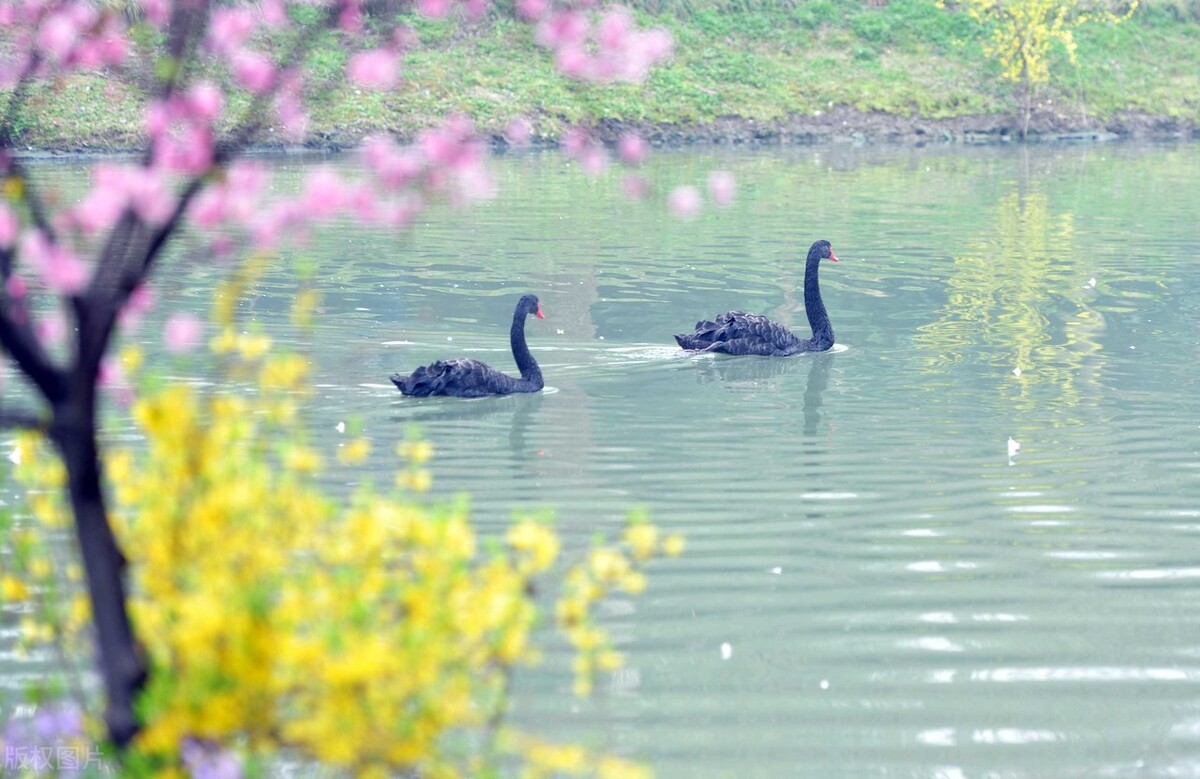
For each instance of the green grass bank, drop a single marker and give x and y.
(768, 71)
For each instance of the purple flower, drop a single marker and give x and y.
(206, 760)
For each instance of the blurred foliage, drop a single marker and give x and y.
(374, 634)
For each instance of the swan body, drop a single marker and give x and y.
(468, 378)
(739, 333)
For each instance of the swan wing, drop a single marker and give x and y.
(462, 378)
(736, 332)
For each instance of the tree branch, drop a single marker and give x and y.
(18, 339)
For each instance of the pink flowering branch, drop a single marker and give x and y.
(192, 172)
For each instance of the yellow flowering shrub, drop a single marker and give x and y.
(373, 634)
(1021, 34)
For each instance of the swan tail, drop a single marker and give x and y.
(693, 341)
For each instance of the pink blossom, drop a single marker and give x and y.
(235, 198)
(9, 225)
(190, 149)
(222, 247)
(374, 69)
(640, 52)
(244, 182)
(632, 149)
(205, 101)
(182, 333)
(364, 204)
(150, 196)
(57, 37)
(575, 140)
(253, 71)
(207, 209)
(111, 377)
(635, 187)
(324, 193)
(158, 12)
(105, 45)
(571, 60)
(614, 28)
(593, 160)
(107, 199)
(98, 211)
(518, 131)
(392, 167)
(157, 119)
(475, 8)
(52, 329)
(17, 67)
(274, 13)
(229, 28)
(474, 182)
(111, 372)
(289, 104)
(16, 287)
(560, 29)
(448, 145)
(532, 10)
(140, 301)
(61, 271)
(721, 187)
(351, 18)
(114, 49)
(404, 38)
(435, 9)
(684, 202)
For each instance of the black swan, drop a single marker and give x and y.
(736, 332)
(466, 378)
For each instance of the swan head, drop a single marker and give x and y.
(821, 250)
(529, 304)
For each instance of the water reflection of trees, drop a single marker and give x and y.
(1019, 299)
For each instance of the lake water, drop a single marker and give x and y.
(873, 586)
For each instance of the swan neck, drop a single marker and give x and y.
(525, 362)
(818, 318)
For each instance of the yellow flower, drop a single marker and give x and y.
(12, 589)
(14, 188)
(355, 451)
(252, 347)
(642, 538)
(40, 568)
(304, 306)
(673, 545)
(303, 459)
(607, 565)
(417, 481)
(225, 341)
(609, 660)
(536, 541)
(634, 582)
(131, 358)
(416, 452)
(616, 768)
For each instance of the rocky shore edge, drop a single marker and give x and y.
(838, 125)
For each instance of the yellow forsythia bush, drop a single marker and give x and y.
(375, 634)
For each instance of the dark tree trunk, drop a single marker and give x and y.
(121, 663)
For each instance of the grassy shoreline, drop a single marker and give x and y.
(822, 70)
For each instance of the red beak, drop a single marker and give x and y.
(833, 256)
(539, 313)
